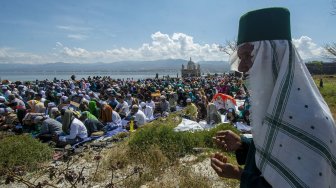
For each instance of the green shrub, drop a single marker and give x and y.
(328, 91)
(173, 144)
(23, 151)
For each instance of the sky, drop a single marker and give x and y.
(87, 31)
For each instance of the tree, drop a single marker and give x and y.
(229, 47)
(331, 50)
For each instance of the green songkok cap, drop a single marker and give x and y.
(264, 24)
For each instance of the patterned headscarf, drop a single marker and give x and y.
(293, 130)
(67, 119)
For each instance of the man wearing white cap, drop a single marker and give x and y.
(129, 99)
(122, 108)
(147, 110)
(19, 103)
(2, 99)
(151, 103)
(139, 116)
(164, 106)
(7, 118)
(6, 92)
(58, 98)
(191, 110)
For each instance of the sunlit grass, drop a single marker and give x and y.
(328, 91)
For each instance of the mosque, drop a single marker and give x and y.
(193, 70)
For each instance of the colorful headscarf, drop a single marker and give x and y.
(106, 113)
(89, 115)
(93, 108)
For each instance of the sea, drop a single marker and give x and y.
(135, 75)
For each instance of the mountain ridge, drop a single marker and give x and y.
(164, 64)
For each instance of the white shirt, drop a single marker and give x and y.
(151, 104)
(148, 111)
(123, 108)
(116, 120)
(77, 128)
(140, 118)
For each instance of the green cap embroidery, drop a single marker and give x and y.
(264, 24)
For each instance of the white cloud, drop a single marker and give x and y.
(162, 46)
(307, 48)
(59, 44)
(77, 36)
(73, 28)
(9, 55)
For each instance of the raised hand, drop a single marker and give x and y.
(227, 140)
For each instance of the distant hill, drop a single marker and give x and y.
(168, 64)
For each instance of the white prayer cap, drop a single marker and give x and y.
(4, 87)
(5, 110)
(135, 107)
(2, 99)
(81, 94)
(188, 100)
(129, 95)
(163, 97)
(51, 104)
(87, 97)
(142, 104)
(59, 94)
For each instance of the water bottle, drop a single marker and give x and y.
(132, 125)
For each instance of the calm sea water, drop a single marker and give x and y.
(32, 76)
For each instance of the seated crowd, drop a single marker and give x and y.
(68, 111)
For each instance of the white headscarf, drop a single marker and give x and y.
(293, 130)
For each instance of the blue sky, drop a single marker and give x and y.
(45, 31)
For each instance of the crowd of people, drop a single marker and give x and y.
(68, 111)
(287, 148)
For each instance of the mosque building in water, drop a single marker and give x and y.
(192, 70)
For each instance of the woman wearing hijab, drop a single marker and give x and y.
(109, 117)
(106, 113)
(213, 116)
(93, 108)
(32, 105)
(74, 130)
(89, 115)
